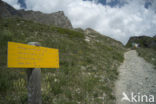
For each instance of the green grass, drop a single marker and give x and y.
(69, 32)
(87, 69)
(148, 54)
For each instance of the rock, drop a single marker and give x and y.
(8, 11)
(142, 41)
(146, 78)
(58, 19)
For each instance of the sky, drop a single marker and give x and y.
(118, 19)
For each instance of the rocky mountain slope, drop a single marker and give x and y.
(88, 59)
(88, 64)
(7, 10)
(57, 19)
(143, 41)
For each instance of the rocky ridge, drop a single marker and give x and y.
(58, 18)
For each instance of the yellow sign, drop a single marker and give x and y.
(28, 56)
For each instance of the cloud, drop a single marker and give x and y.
(119, 22)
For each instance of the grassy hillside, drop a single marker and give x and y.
(88, 64)
(148, 54)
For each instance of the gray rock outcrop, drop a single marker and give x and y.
(58, 18)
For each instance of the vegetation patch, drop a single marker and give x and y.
(148, 54)
(87, 69)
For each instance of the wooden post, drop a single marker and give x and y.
(34, 83)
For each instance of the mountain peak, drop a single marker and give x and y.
(7, 11)
(142, 41)
(57, 19)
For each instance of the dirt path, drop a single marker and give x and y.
(137, 81)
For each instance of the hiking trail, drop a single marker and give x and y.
(135, 76)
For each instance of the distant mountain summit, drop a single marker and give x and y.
(57, 19)
(8, 11)
(142, 41)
